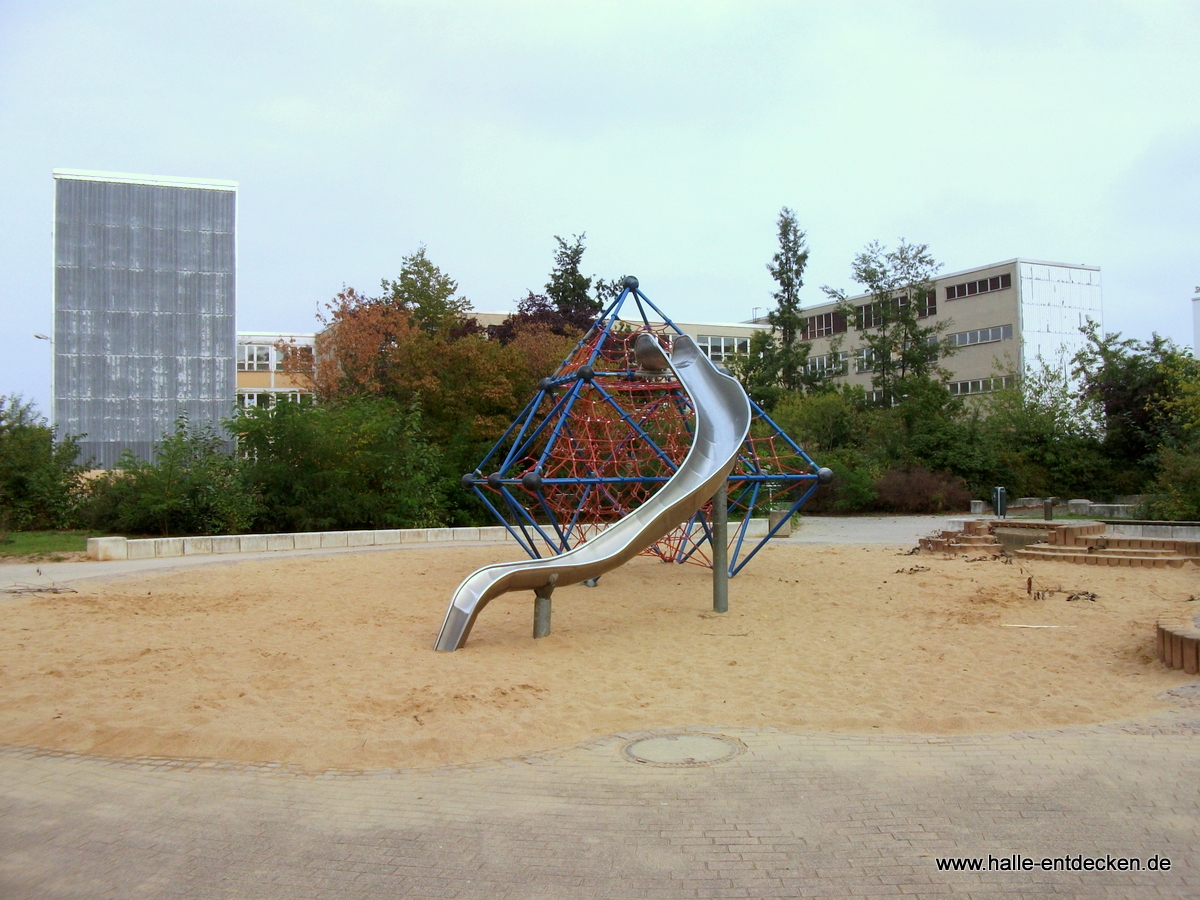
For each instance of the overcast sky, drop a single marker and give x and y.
(671, 133)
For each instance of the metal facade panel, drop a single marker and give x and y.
(144, 282)
(1056, 301)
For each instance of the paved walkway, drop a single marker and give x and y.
(795, 815)
(898, 530)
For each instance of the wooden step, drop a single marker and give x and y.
(1179, 641)
(1102, 558)
(1073, 535)
(1103, 551)
(975, 539)
(1190, 549)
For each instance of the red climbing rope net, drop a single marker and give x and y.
(604, 452)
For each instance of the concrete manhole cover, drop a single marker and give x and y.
(682, 750)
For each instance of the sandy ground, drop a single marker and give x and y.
(59, 556)
(326, 662)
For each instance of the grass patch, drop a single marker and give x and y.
(44, 543)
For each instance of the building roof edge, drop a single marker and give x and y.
(961, 272)
(209, 184)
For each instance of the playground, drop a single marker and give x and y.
(324, 662)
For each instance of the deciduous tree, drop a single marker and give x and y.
(413, 345)
(897, 346)
(39, 470)
(1140, 393)
(428, 295)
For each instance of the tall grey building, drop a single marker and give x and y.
(144, 292)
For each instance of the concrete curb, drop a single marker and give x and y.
(111, 548)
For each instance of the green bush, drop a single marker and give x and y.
(827, 420)
(853, 487)
(39, 473)
(1043, 440)
(1177, 486)
(193, 486)
(362, 463)
(913, 489)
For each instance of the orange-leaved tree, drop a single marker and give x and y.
(418, 343)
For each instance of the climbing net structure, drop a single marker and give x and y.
(601, 436)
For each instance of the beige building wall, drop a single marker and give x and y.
(1001, 316)
(722, 340)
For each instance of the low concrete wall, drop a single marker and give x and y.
(109, 548)
(775, 517)
(1178, 531)
(1015, 538)
(757, 528)
(1073, 507)
(1112, 511)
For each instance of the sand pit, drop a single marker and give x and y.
(326, 662)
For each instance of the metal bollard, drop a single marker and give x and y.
(541, 608)
(1000, 501)
(720, 545)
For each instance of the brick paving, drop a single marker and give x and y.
(795, 815)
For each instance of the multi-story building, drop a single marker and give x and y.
(1003, 318)
(721, 340)
(261, 376)
(145, 272)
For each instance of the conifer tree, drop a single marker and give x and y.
(568, 288)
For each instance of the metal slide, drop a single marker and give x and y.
(722, 419)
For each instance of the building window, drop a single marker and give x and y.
(302, 353)
(828, 364)
(263, 399)
(270, 399)
(981, 336)
(823, 325)
(983, 286)
(864, 360)
(982, 385)
(867, 317)
(720, 348)
(927, 304)
(254, 357)
(870, 315)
